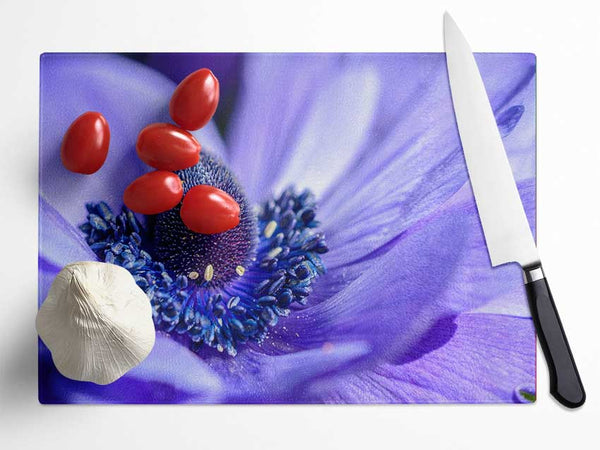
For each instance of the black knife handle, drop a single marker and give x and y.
(565, 383)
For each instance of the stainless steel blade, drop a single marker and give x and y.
(505, 225)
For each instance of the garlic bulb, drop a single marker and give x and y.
(96, 322)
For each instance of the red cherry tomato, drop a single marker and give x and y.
(153, 192)
(85, 144)
(167, 147)
(195, 100)
(209, 210)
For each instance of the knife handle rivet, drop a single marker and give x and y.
(531, 274)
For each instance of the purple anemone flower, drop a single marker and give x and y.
(358, 273)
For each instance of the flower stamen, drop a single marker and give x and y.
(208, 273)
(281, 262)
(270, 229)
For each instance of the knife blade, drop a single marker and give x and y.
(505, 226)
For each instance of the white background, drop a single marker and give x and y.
(566, 38)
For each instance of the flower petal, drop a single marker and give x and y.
(437, 268)
(170, 374)
(520, 142)
(391, 300)
(177, 66)
(512, 302)
(336, 127)
(481, 284)
(60, 242)
(254, 377)
(278, 96)
(415, 108)
(413, 165)
(486, 359)
(128, 94)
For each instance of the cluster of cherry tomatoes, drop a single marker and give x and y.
(167, 148)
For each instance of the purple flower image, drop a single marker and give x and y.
(358, 272)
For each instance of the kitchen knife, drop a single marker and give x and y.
(503, 219)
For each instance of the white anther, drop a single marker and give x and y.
(270, 229)
(273, 253)
(209, 272)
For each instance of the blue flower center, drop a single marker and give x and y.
(218, 290)
(208, 259)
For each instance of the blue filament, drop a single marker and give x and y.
(277, 272)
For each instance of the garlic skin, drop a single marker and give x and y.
(96, 322)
